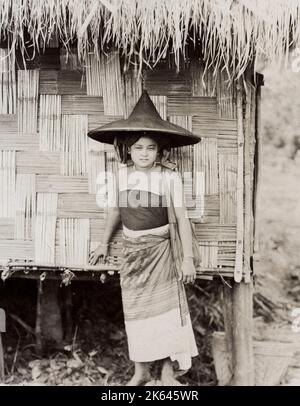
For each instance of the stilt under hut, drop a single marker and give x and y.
(69, 67)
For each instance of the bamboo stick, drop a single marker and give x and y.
(257, 185)
(248, 155)
(238, 271)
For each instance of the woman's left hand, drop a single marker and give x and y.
(188, 271)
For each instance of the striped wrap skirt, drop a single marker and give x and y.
(156, 313)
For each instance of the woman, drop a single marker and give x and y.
(157, 320)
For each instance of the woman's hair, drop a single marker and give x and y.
(122, 144)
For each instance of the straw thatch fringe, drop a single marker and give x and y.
(112, 84)
(45, 226)
(74, 145)
(144, 30)
(28, 88)
(93, 76)
(8, 90)
(50, 123)
(74, 235)
(25, 207)
(7, 183)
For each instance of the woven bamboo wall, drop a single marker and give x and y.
(48, 166)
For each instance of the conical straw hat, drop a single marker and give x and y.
(144, 120)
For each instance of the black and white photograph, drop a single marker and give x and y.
(149, 196)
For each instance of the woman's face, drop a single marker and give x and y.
(144, 152)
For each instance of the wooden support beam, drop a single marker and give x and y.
(68, 320)
(48, 321)
(2, 330)
(238, 304)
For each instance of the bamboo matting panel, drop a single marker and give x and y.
(28, 93)
(133, 90)
(96, 165)
(9, 123)
(25, 207)
(50, 123)
(203, 82)
(50, 203)
(48, 82)
(98, 120)
(168, 82)
(45, 227)
(93, 76)
(38, 162)
(71, 82)
(16, 249)
(73, 241)
(7, 226)
(61, 184)
(19, 142)
(228, 178)
(69, 60)
(67, 82)
(81, 104)
(8, 90)
(7, 183)
(112, 84)
(49, 59)
(74, 145)
(78, 205)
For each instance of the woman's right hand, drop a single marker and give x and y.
(100, 252)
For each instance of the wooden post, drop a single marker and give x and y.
(2, 330)
(238, 328)
(68, 320)
(238, 299)
(48, 323)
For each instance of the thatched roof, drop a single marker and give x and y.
(230, 32)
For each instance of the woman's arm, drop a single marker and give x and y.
(188, 271)
(112, 221)
(185, 232)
